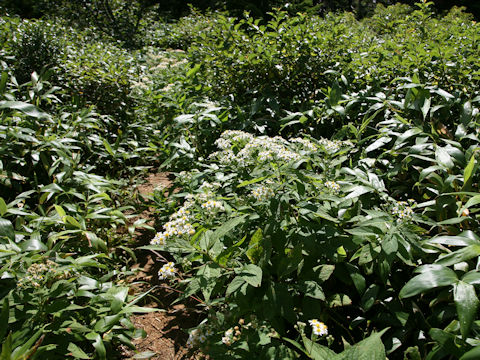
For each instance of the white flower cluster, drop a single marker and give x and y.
(332, 186)
(198, 336)
(307, 144)
(237, 136)
(179, 224)
(262, 193)
(253, 149)
(167, 271)
(212, 206)
(319, 328)
(332, 146)
(402, 210)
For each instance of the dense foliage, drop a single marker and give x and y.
(325, 201)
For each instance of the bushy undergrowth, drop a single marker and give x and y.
(352, 235)
(328, 207)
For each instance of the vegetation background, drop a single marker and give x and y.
(324, 158)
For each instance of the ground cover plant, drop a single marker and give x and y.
(325, 182)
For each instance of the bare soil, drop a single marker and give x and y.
(166, 329)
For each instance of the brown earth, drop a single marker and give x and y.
(166, 330)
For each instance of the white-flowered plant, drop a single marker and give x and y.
(180, 224)
(212, 206)
(318, 327)
(403, 210)
(167, 271)
(262, 193)
(332, 186)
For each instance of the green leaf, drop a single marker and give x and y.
(443, 158)
(6, 229)
(312, 289)
(106, 323)
(468, 171)
(60, 211)
(225, 229)
(77, 352)
(20, 352)
(7, 348)
(473, 354)
(27, 109)
(108, 147)
(370, 348)
(358, 191)
(472, 202)
(252, 274)
(466, 253)
(99, 347)
(467, 304)
(255, 249)
(432, 277)
(316, 351)
(253, 181)
(3, 207)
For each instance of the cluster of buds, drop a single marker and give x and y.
(167, 271)
(198, 337)
(38, 273)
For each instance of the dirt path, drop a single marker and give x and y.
(166, 335)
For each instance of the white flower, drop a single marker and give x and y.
(318, 328)
(332, 186)
(212, 206)
(167, 271)
(261, 193)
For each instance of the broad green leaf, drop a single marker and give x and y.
(467, 303)
(99, 347)
(378, 144)
(3, 207)
(27, 109)
(316, 351)
(312, 289)
(358, 191)
(371, 348)
(472, 202)
(7, 348)
(443, 158)
(469, 170)
(106, 323)
(460, 255)
(77, 352)
(6, 229)
(473, 354)
(429, 279)
(252, 274)
(255, 249)
(60, 211)
(225, 229)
